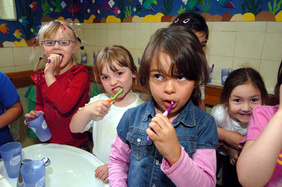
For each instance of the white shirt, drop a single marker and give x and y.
(104, 128)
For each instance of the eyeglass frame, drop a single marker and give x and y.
(59, 42)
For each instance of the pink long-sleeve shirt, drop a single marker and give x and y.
(199, 171)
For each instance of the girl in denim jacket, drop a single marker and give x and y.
(181, 150)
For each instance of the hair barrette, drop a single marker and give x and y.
(186, 20)
(64, 27)
(34, 41)
(177, 19)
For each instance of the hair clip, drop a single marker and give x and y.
(186, 20)
(177, 19)
(34, 41)
(40, 58)
(64, 27)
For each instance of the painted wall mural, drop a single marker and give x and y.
(30, 13)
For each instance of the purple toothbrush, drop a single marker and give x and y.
(165, 114)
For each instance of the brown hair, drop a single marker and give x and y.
(242, 76)
(187, 57)
(279, 81)
(111, 54)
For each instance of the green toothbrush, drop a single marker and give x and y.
(119, 92)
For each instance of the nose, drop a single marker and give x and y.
(57, 45)
(169, 86)
(246, 107)
(113, 81)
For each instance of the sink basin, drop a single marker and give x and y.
(70, 166)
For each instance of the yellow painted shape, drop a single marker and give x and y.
(61, 19)
(20, 43)
(90, 20)
(112, 19)
(278, 160)
(278, 16)
(153, 18)
(249, 16)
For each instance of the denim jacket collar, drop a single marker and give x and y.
(187, 109)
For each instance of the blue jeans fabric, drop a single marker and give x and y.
(195, 129)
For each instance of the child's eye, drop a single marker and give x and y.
(254, 100)
(158, 76)
(119, 73)
(236, 100)
(104, 77)
(181, 78)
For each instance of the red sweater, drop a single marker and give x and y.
(61, 100)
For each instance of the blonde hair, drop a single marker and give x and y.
(51, 28)
(111, 54)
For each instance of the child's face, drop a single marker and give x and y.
(242, 101)
(203, 39)
(114, 81)
(165, 89)
(67, 51)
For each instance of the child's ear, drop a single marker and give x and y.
(75, 48)
(134, 76)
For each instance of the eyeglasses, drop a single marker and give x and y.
(53, 42)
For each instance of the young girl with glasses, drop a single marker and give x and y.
(62, 86)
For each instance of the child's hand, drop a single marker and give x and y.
(233, 139)
(102, 173)
(165, 138)
(32, 114)
(53, 62)
(99, 108)
(233, 154)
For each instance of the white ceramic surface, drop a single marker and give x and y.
(69, 166)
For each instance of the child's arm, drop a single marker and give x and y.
(82, 117)
(66, 99)
(258, 158)
(11, 114)
(232, 138)
(199, 171)
(119, 162)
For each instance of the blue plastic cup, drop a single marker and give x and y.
(12, 156)
(224, 74)
(39, 126)
(34, 173)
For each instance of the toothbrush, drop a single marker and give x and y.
(119, 92)
(164, 114)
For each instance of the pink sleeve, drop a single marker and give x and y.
(260, 118)
(119, 161)
(199, 171)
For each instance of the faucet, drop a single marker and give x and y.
(20, 182)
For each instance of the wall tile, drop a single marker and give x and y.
(101, 38)
(225, 26)
(249, 45)
(272, 48)
(114, 36)
(222, 43)
(142, 36)
(89, 37)
(127, 38)
(21, 55)
(274, 27)
(269, 70)
(246, 62)
(7, 57)
(256, 26)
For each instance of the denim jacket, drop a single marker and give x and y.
(195, 129)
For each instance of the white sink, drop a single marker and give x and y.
(70, 166)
